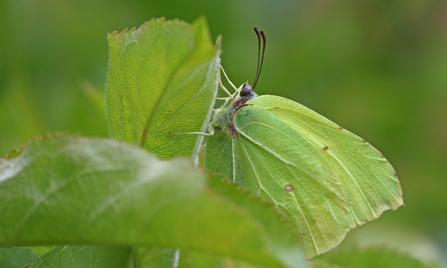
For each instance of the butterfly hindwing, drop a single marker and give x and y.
(369, 180)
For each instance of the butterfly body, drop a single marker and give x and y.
(223, 117)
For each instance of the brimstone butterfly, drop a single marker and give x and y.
(325, 178)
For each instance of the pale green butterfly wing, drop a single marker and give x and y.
(369, 180)
(269, 157)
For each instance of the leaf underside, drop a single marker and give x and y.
(162, 79)
(323, 176)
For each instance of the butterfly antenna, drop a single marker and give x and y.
(260, 58)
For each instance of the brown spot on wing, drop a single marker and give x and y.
(289, 188)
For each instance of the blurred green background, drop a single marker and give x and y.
(377, 68)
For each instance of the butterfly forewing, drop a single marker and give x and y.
(369, 180)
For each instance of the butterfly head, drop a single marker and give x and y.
(246, 92)
(223, 117)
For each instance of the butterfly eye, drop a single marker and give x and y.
(245, 91)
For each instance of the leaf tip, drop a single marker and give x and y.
(114, 33)
(218, 43)
(13, 153)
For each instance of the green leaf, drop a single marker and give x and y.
(85, 257)
(162, 79)
(373, 257)
(16, 257)
(74, 190)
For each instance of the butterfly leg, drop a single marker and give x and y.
(222, 86)
(225, 74)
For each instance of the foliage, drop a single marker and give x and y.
(129, 207)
